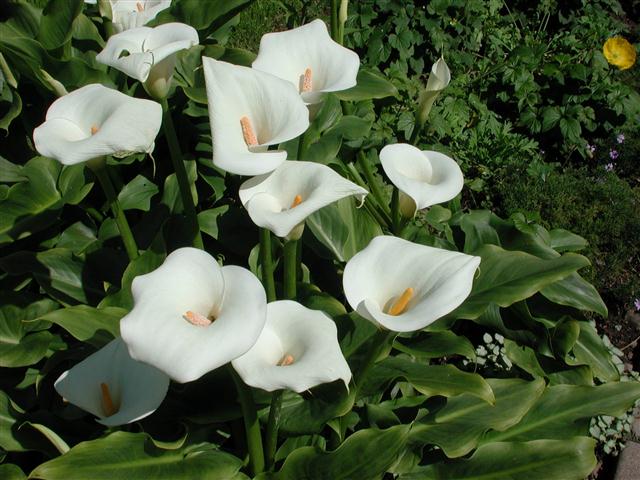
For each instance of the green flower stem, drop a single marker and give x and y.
(181, 174)
(395, 211)
(290, 269)
(415, 135)
(271, 436)
(267, 264)
(100, 170)
(335, 22)
(251, 424)
(375, 212)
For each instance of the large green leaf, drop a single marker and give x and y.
(436, 345)
(564, 411)
(97, 326)
(134, 455)
(572, 459)
(209, 15)
(369, 85)
(32, 205)
(458, 426)
(136, 195)
(507, 277)
(365, 455)
(11, 472)
(445, 380)
(590, 350)
(18, 347)
(575, 291)
(309, 414)
(343, 229)
(56, 25)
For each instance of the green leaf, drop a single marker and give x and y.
(18, 347)
(572, 459)
(208, 220)
(343, 229)
(136, 195)
(506, 277)
(201, 15)
(564, 411)
(590, 350)
(29, 206)
(302, 415)
(97, 326)
(365, 455)
(56, 25)
(11, 111)
(565, 241)
(369, 85)
(9, 471)
(134, 455)
(430, 380)
(575, 291)
(436, 345)
(10, 172)
(85, 29)
(73, 185)
(458, 426)
(50, 435)
(523, 357)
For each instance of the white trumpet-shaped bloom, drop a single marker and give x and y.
(297, 350)
(191, 316)
(426, 177)
(113, 386)
(250, 110)
(439, 79)
(404, 286)
(148, 53)
(95, 121)
(283, 199)
(128, 14)
(308, 58)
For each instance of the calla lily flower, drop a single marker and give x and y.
(149, 54)
(438, 80)
(191, 316)
(128, 14)
(297, 350)
(250, 110)
(308, 58)
(95, 121)
(113, 386)
(424, 178)
(404, 286)
(283, 199)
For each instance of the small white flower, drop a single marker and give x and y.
(249, 111)
(404, 286)
(149, 54)
(424, 177)
(114, 387)
(297, 350)
(309, 59)
(95, 121)
(128, 14)
(283, 199)
(191, 316)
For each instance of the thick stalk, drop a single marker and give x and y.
(335, 23)
(100, 170)
(181, 175)
(395, 211)
(271, 438)
(415, 135)
(251, 424)
(267, 264)
(290, 269)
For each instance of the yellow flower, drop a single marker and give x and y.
(619, 52)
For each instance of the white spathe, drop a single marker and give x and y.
(439, 79)
(269, 198)
(376, 277)
(145, 52)
(136, 389)
(289, 54)
(271, 105)
(297, 350)
(95, 121)
(128, 14)
(157, 331)
(427, 177)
